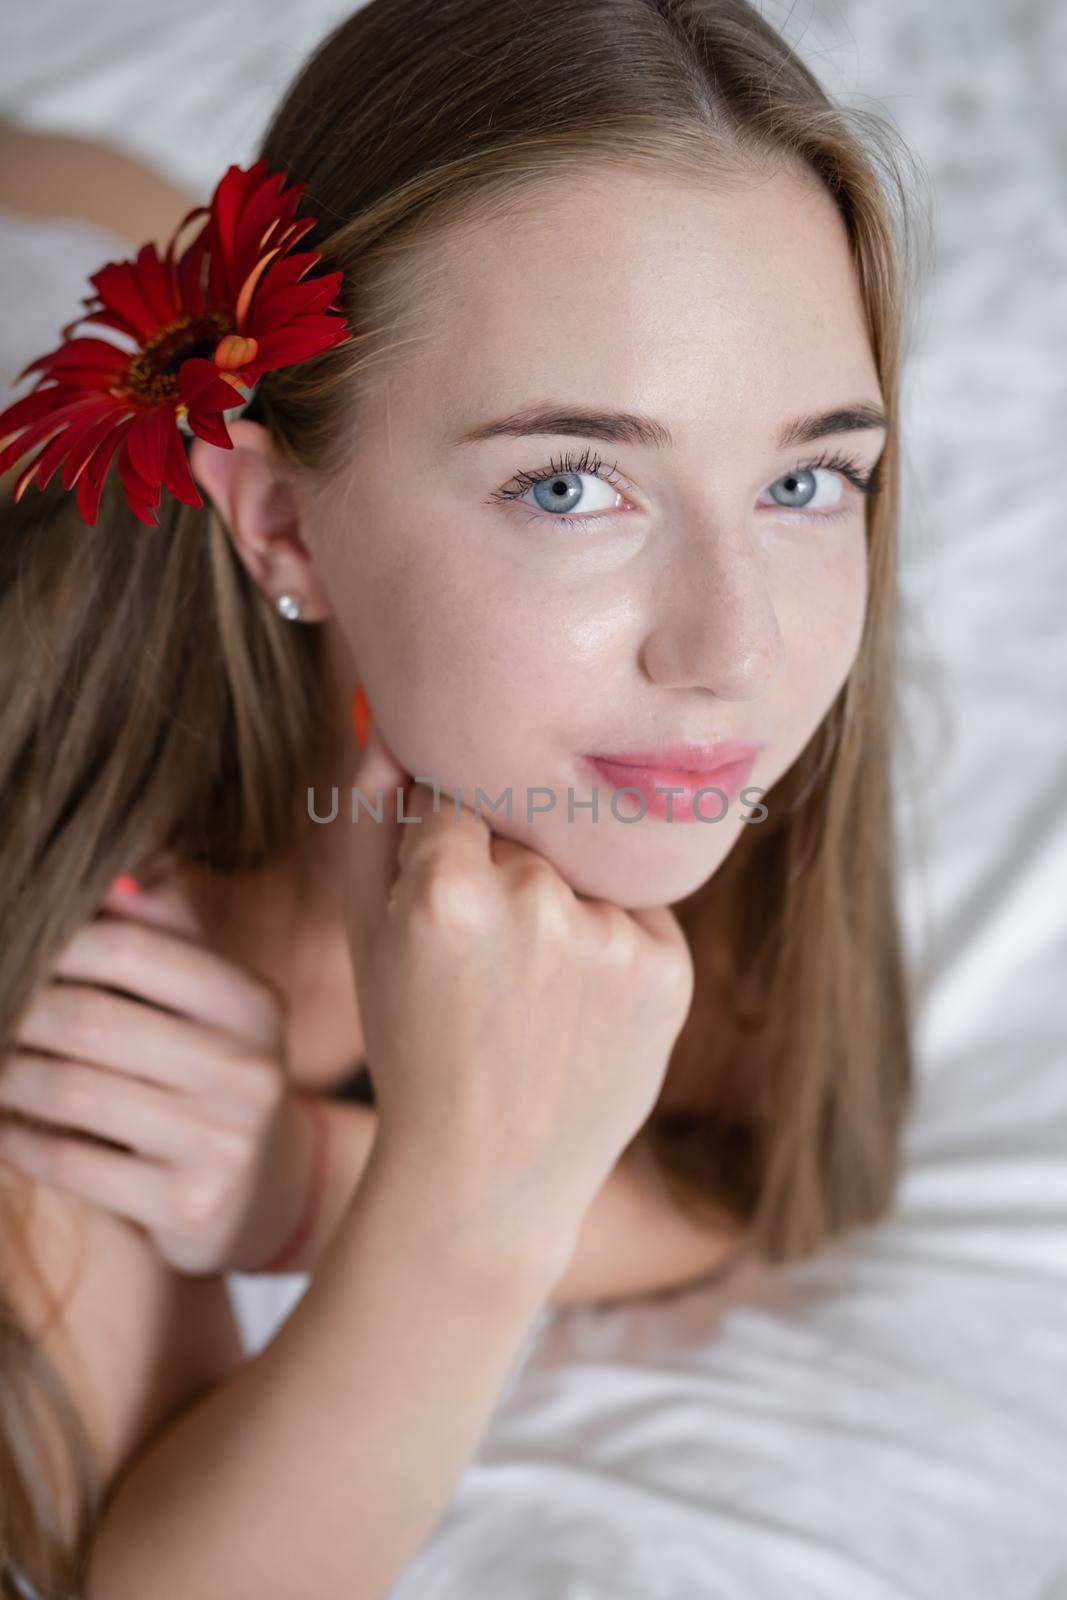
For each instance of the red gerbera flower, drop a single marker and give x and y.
(232, 307)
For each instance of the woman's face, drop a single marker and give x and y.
(704, 594)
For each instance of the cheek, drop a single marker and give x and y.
(823, 621)
(460, 662)
(851, 593)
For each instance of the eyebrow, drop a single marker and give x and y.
(629, 427)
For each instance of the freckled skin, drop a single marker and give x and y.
(495, 647)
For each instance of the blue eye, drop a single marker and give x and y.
(558, 487)
(801, 489)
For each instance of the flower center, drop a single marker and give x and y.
(152, 375)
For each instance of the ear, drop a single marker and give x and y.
(255, 501)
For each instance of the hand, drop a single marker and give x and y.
(518, 1034)
(181, 1075)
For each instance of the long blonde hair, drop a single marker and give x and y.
(155, 704)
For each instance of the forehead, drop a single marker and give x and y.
(646, 289)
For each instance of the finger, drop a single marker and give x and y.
(365, 851)
(662, 923)
(165, 901)
(162, 968)
(664, 927)
(75, 1095)
(508, 852)
(503, 851)
(449, 825)
(126, 1185)
(108, 1030)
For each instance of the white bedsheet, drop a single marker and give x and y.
(891, 1419)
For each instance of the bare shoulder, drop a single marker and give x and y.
(130, 1340)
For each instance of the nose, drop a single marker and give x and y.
(716, 626)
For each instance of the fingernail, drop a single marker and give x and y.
(125, 884)
(361, 717)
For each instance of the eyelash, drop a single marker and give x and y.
(867, 483)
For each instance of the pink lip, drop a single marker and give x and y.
(723, 771)
(682, 757)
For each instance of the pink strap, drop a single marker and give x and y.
(320, 1133)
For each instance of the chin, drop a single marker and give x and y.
(636, 884)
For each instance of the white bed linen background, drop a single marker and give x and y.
(890, 1419)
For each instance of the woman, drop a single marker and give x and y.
(646, 497)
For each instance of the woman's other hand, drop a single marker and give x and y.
(167, 1103)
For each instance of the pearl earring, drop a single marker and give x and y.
(290, 605)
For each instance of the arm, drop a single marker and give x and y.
(323, 1463)
(634, 1240)
(94, 1296)
(55, 174)
(352, 1131)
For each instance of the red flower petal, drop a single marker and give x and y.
(209, 426)
(203, 390)
(176, 474)
(241, 272)
(67, 439)
(298, 342)
(91, 482)
(108, 359)
(274, 306)
(58, 417)
(119, 287)
(85, 450)
(146, 442)
(154, 285)
(136, 485)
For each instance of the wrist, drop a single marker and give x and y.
(453, 1219)
(289, 1251)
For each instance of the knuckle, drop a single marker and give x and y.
(675, 980)
(532, 872)
(122, 941)
(227, 1149)
(543, 901)
(617, 941)
(269, 1002)
(200, 1197)
(262, 1085)
(445, 891)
